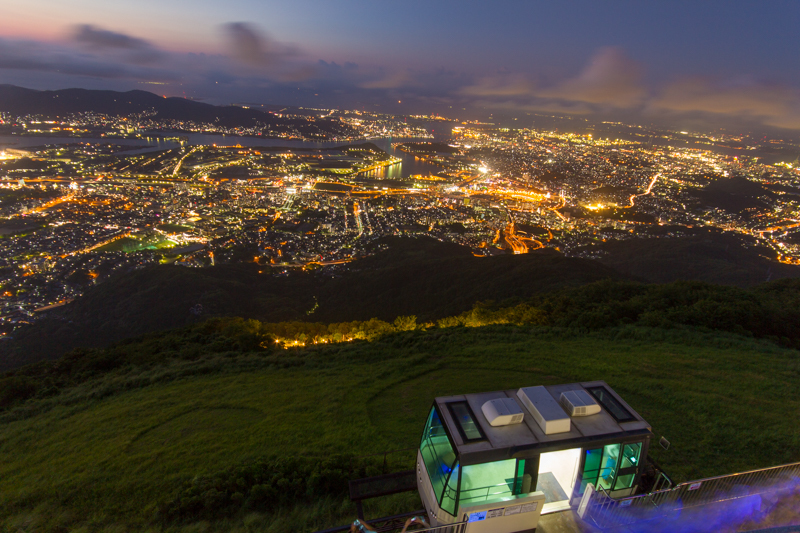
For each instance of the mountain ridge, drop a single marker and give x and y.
(21, 101)
(421, 277)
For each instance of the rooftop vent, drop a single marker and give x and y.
(545, 410)
(579, 403)
(502, 412)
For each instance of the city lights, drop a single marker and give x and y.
(93, 207)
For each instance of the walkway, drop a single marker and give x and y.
(760, 512)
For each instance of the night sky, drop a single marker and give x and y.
(716, 63)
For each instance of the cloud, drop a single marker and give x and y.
(256, 67)
(395, 80)
(88, 34)
(491, 87)
(134, 49)
(254, 47)
(33, 56)
(610, 79)
(775, 105)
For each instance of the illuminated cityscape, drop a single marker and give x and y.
(78, 209)
(475, 267)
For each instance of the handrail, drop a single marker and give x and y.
(659, 484)
(463, 494)
(487, 487)
(435, 529)
(736, 474)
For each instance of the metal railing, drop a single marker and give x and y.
(483, 494)
(392, 524)
(385, 524)
(457, 527)
(663, 482)
(606, 511)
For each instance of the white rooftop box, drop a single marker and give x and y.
(579, 403)
(502, 412)
(545, 410)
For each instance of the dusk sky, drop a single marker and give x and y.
(726, 62)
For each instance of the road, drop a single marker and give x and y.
(518, 243)
(646, 192)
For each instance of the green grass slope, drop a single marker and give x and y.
(196, 417)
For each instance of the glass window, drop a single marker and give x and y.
(450, 495)
(624, 481)
(487, 481)
(611, 404)
(591, 468)
(603, 468)
(608, 466)
(627, 467)
(437, 453)
(462, 415)
(630, 455)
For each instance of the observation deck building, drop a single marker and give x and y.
(497, 460)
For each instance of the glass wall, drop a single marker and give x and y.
(591, 468)
(488, 481)
(608, 466)
(438, 454)
(627, 467)
(450, 495)
(603, 467)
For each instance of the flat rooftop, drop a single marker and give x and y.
(616, 420)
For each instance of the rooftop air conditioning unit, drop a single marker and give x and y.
(579, 403)
(544, 409)
(502, 412)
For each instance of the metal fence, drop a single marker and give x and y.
(605, 511)
(458, 527)
(394, 524)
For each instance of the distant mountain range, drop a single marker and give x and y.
(20, 102)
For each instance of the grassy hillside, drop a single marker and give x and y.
(423, 277)
(143, 435)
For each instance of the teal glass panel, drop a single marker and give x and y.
(608, 466)
(488, 481)
(518, 477)
(630, 455)
(437, 453)
(450, 495)
(593, 459)
(591, 468)
(624, 481)
(627, 466)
